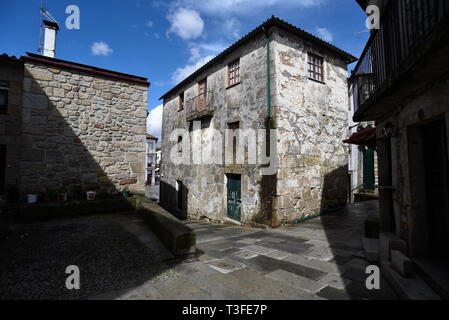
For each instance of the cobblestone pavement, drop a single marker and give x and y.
(120, 258)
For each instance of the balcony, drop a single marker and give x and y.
(409, 31)
(200, 106)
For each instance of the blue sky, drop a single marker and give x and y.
(166, 40)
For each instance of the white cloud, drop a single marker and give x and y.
(186, 23)
(244, 7)
(154, 122)
(182, 73)
(149, 24)
(325, 34)
(101, 48)
(232, 27)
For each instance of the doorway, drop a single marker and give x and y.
(234, 192)
(437, 188)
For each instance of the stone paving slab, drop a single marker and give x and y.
(335, 281)
(297, 281)
(226, 265)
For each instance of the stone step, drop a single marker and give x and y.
(371, 248)
(408, 288)
(401, 264)
(435, 275)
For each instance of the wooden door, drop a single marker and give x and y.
(234, 202)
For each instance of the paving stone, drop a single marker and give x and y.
(321, 253)
(246, 255)
(226, 266)
(278, 254)
(179, 289)
(335, 281)
(207, 258)
(342, 260)
(296, 281)
(145, 291)
(298, 247)
(267, 265)
(331, 293)
(221, 254)
(324, 266)
(215, 289)
(248, 241)
(238, 285)
(257, 249)
(199, 266)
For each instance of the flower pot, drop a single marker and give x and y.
(32, 198)
(63, 196)
(90, 195)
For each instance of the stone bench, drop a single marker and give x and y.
(177, 237)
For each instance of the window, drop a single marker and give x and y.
(234, 72)
(181, 102)
(202, 95)
(180, 144)
(233, 137)
(4, 89)
(315, 67)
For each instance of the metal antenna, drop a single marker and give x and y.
(40, 31)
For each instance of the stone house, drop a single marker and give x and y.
(300, 114)
(402, 84)
(74, 125)
(151, 159)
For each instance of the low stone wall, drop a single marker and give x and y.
(179, 238)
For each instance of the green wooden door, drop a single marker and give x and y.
(368, 169)
(234, 203)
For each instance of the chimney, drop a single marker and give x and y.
(51, 28)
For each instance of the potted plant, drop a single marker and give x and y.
(49, 196)
(126, 193)
(90, 195)
(62, 194)
(31, 198)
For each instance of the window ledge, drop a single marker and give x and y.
(233, 85)
(316, 80)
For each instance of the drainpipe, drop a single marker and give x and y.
(268, 73)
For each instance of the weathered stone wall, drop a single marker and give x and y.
(310, 119)
(312, 122)
(82, 129)
(11, 71)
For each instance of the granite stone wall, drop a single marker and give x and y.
(311, 119)
(81, 129)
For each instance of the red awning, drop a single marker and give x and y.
(365, 137)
